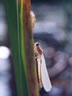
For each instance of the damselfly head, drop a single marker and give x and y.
(37, 44)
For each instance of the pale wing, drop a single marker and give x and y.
(45, 77)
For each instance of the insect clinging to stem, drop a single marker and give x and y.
(43, 77)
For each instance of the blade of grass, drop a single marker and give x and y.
(12, 11)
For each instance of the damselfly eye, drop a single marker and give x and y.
(37, 44)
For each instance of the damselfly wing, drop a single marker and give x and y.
(44, 74)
